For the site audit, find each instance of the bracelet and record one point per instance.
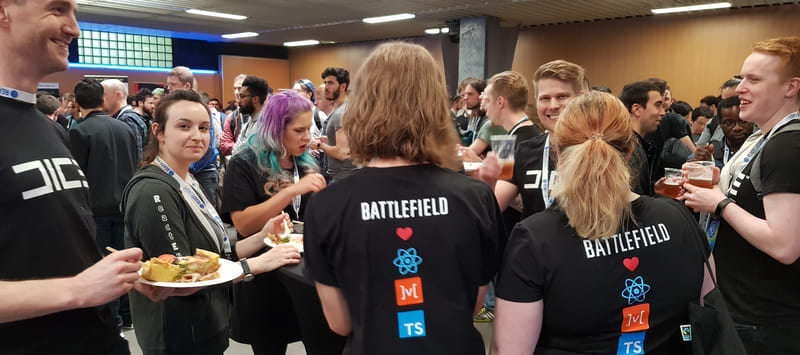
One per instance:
(721, 205)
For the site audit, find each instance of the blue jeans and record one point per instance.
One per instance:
(209, 180)
(489, 301)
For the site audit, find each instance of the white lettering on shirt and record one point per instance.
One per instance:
(404, 209)
(53, 178)
(626, 241)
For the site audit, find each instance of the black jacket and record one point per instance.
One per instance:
(106, 152)
(158, 221)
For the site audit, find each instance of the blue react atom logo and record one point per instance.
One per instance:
(635, 290)
(407, 261)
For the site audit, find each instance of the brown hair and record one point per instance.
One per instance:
(593, 135)
(513, 87)
(160, 118)
(565, 71)
(788, 48)
(399, 108)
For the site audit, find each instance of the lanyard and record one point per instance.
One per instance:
(757, 147)
(296, 200)
(546, 173)
(760, 144)
(201, 202)
(517, 125)
(727, 152)
(473, 124)
(17, 95)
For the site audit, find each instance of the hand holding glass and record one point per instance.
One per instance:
(503, 148)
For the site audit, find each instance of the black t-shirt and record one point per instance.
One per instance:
(672, 126)
(759, 289)
(245, 185)
(611, 295)
(263, 310)
(525, 133)
(409, 247)
(528, 173)
(46, 231)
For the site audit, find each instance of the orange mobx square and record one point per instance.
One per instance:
(636, 318)
(408, 291)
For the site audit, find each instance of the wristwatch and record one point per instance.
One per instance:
(248, 276)
(721, 205)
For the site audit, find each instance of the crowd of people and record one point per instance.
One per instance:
(577, 249)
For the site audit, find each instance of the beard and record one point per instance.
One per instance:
(247, 109)
(335, 95)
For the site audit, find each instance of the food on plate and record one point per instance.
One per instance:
(168, 268)
(285, 238)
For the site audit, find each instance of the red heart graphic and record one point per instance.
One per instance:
(404, 233)
(631, 263)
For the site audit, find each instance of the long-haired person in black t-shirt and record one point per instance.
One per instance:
(402, 250)
(272, 172)
(603, 270)
(167, 212)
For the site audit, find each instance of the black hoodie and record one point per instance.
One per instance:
(158, 221)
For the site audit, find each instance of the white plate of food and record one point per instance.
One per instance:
(472, 165)
(201, 270)
(293, 239)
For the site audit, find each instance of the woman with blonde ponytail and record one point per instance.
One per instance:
(615, 269)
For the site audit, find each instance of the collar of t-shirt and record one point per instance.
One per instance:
(18, 95)
(124, 109)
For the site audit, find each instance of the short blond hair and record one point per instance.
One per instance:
(565, 71)
(593, 136)
(399, 108)
(184, 75)
(513, 87)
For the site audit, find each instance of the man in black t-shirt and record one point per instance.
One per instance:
(643, 101)
(54, 283)
(556, 84)
(757, 244)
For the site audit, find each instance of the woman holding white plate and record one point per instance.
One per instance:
(167, 213)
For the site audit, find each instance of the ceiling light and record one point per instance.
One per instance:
(308, 42)
(432, 31)
(445, 29)
(216, 14)
(240, 35)
(398, 17)
(669, 10)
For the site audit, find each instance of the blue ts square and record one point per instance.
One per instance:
(631, 343)
(411, 324)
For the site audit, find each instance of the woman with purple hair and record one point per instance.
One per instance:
(272, 173)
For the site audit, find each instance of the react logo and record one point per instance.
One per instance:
(635, 290)
(407, 261)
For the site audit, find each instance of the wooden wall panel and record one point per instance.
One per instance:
(67, 79)
(275, 71)
(694, 53)
(309, 62)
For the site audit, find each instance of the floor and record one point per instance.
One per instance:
(297, 348)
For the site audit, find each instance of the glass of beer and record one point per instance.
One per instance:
(700, 173)
(503, 147)
(672, 182)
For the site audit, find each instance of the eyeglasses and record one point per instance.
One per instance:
(243, 96)
(731, 123)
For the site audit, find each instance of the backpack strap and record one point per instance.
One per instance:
(755, 170)
(317, 120)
